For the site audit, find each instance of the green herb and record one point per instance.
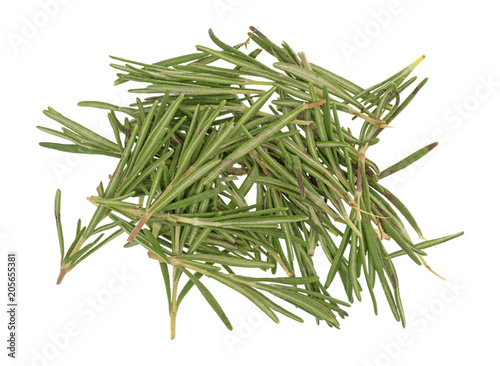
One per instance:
(190, 153)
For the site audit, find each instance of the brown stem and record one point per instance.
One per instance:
(62, 273)
(138, 227)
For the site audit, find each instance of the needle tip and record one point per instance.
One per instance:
(417, 61)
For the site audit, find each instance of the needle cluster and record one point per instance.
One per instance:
(230, 163)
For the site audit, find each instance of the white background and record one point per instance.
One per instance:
(63, 58)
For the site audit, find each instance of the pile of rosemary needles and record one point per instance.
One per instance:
(228, 162)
